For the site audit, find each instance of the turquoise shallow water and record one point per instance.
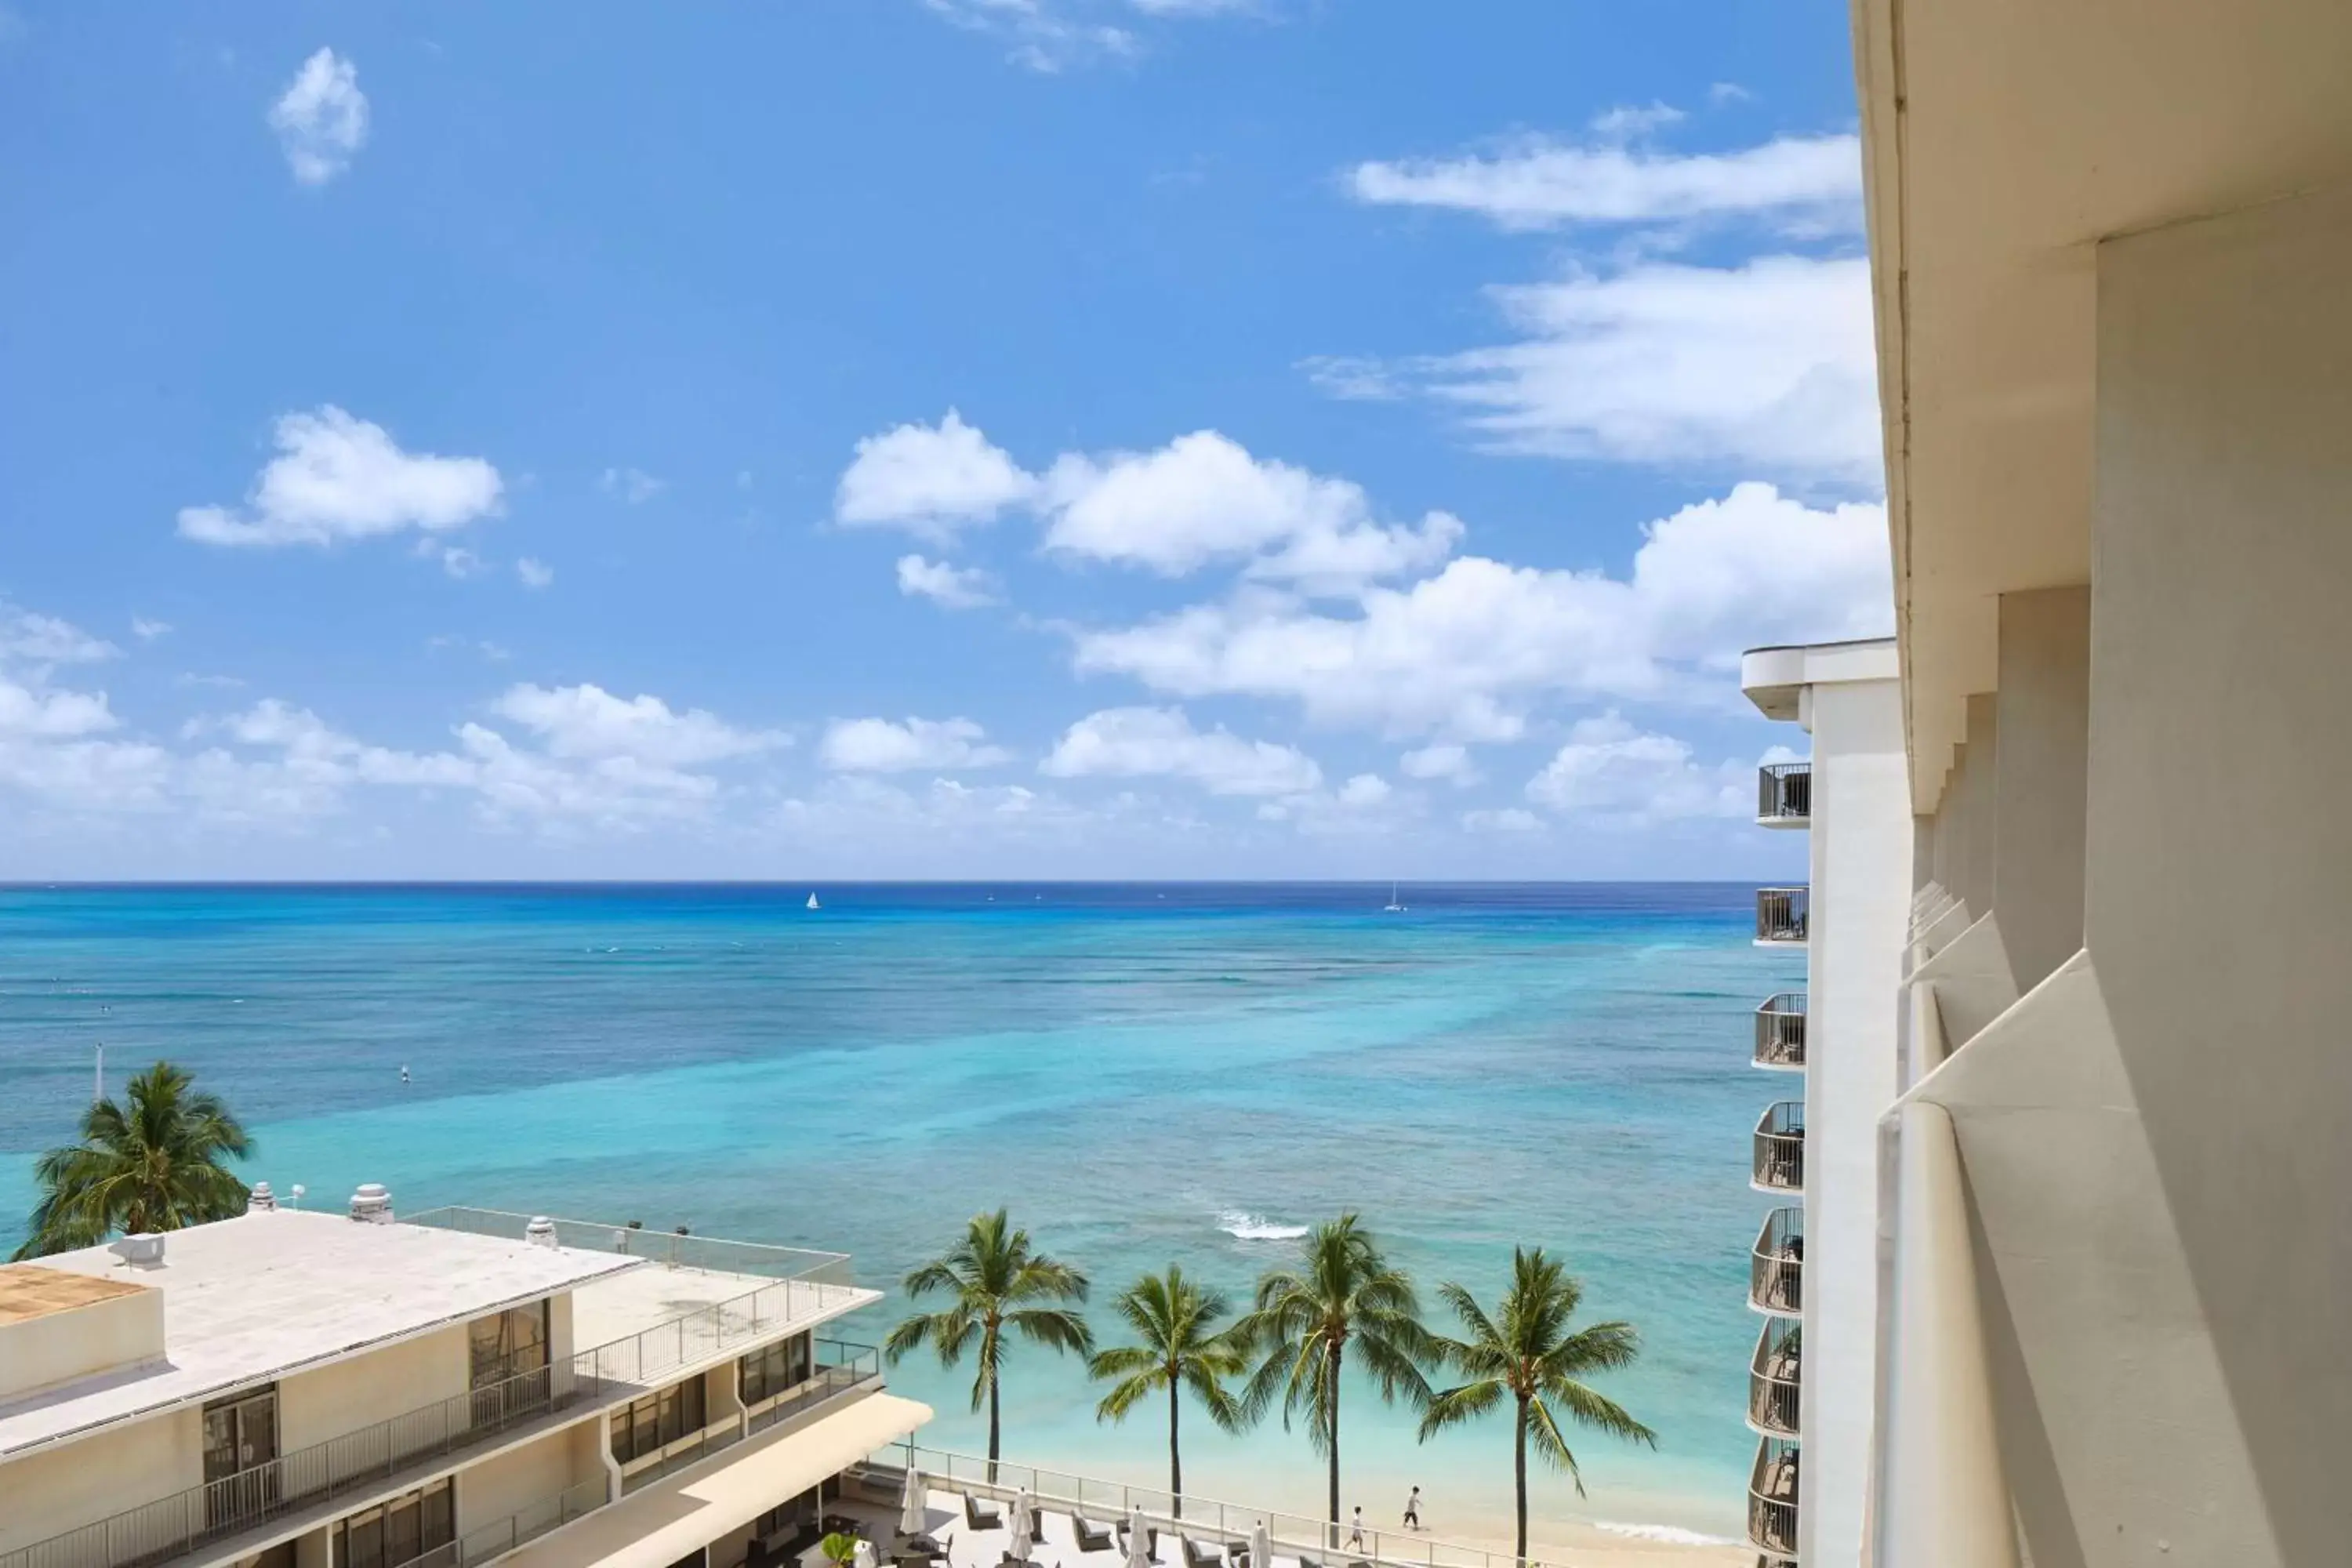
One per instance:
(1144, 1073)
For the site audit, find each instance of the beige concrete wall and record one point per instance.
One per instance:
(1980, 874)
(100, 1476)
(510, 1482)
(313, 1407)
(99, 1336)
(2218, 855)
(2046, 738)
(1862, 835)
(316, 1549)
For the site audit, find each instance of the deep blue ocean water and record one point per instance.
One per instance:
(1144, 1073)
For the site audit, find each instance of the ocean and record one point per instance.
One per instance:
(1144, 1073)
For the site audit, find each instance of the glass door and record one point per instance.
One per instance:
(241, 1480)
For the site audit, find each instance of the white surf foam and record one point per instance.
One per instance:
(1671, 1535)
(1257, 1228)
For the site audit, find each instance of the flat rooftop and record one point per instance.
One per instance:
(265, 1295)
(28, 1290)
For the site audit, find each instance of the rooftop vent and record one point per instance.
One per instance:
(372, 1205)
(540, 1231)
(261, 1200)
(144, 1251)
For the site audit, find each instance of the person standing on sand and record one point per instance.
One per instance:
(1413, 1510)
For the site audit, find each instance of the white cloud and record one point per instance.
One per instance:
(1509, 819)
(46, 639)
(1201, 498)
(338, 478)
(1446, 760)
(455, 560)
(1811, 184)
(632, 485)
(322, 118)
(146, 630)
(27, 712)
(917, 745)
(587, 721)
(1354, 378)
(535, 574)
(1364, 789)
(929, 478)
(956, 587)
(1466, 651)
(1609, 768)
(1769, 368)
(1141, 742)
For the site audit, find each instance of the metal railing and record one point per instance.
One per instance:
(1781, 913)
(1776, 1274)
(171, 1527)
(1778, 1163)
(1784, 794)
(859, 1366)
(1772, 1498)
(189, 1521)
(528, 1524)
(1781, 1031)
(1204, 1519)
(707, 1253)
(1774, 1379)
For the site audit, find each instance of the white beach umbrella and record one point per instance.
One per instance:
(1139, 1541)
(1024, 1515)
(911, 1518)
(1261, 1547)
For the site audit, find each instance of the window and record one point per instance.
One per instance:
(399, 1531)
(658, 1420)
(508, 1345)
(772, 1368)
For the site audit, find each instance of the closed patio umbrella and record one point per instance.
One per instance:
(1024, 1522)
(1261, 1547)
(1139, 1541)
(912, 1519)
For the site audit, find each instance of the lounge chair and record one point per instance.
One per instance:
(980, 1515)
(1198, 1556)
(1091, 1537)
(1036, 1528)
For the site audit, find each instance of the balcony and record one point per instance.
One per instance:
(1780, 1032)
(1772, 1499)
(1781, 916)
(1784, 794)
(1776, 1268)
(1779, 1161)
(1773, 1383)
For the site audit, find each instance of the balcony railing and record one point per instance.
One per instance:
(1781, 1031)
(1776, 1274)
(1780, 914)
(157, 1532)
(852, 1366)
(1772, 1498)
(1778, 1164)
(1773, 1381)
(200, 1516)
(706, 1253)
(1784, 794)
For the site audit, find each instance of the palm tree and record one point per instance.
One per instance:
(157, 1165)
(1527, 1355)
(1304, 1320)
(1176, 1320)
(997, 1282)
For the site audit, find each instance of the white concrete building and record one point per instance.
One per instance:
(2111, 255)
(308, 1390)
(1814, 1274)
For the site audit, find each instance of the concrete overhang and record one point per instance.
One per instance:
(1776, 677)
(2002, 140)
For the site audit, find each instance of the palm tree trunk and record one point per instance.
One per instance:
(1175, 1459)
(1520, 1466)
(994, 1427)
(1331, 1432)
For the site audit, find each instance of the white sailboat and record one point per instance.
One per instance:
(813, 903)
(1392, 907)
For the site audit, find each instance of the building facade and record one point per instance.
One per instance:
(295, 1389)
(1814, 1269)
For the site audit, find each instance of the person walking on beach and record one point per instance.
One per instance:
(1355, 1531)
(1413, 1510)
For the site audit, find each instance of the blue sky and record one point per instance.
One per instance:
(872, 438)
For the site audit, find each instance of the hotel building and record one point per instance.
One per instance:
(296, 1389)
(2111, 252)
